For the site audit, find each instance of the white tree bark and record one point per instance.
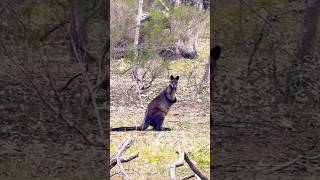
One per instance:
(177, 3)
(134, 69)
(200, 4)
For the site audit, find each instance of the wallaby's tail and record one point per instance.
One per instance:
(138, 128)
(142, 127)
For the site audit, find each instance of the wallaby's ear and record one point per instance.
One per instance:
(177, 78)
(215, 53)
(171, 77)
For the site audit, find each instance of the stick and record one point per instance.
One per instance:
(172, 166)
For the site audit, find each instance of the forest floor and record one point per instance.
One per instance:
(256, 136)
(188, 119)
(37, 144)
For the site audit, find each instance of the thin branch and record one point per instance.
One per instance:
(172, 166)
(117, 158)
(122, 169)
(194, 168)
(53, 29)
(124, 146)
(124, 159)
(188, 177)
(90, 88)
(284, 165)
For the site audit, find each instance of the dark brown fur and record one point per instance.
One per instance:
(157, 109)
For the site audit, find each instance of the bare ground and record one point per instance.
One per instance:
(34, 142)
(255, 137)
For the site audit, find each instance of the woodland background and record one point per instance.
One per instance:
(53, 98)
(265, 96)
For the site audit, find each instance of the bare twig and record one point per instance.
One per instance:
(188, 177)
(53, 29)
(164, 5)
(256, 47)
(194, 168)
(284, 165)
(69, 82)
(117, 158)
(123, 172)
(172, 166)
(123, 159)
(184, 157)
(89, 85)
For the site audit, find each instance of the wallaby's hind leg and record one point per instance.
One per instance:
(143, 126)
(158, 123)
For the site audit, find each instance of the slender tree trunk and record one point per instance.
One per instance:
(200, 4)
(78, 30)
(134, 69)
(177, 3)
(309, 29)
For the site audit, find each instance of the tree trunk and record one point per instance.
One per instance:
(309, 29)
(177, 3)
(78, 31)
(134, 69)
(200, 4)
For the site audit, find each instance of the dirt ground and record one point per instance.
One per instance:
(254, 137)
(34, 142)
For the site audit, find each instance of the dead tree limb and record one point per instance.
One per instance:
(194, 168)
(121, 150)
(184, 157)
(125, 159)
(188, 177)
(172, 166)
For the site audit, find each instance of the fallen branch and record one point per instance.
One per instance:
(184, 157)
(188, 177)
(194, 168)
(121, 150)
(172, 166)
(124, 159)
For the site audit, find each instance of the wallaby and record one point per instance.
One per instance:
(157, 109)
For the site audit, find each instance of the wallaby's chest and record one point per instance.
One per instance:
(162, 102)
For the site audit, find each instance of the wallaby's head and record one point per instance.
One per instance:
(174, 81)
